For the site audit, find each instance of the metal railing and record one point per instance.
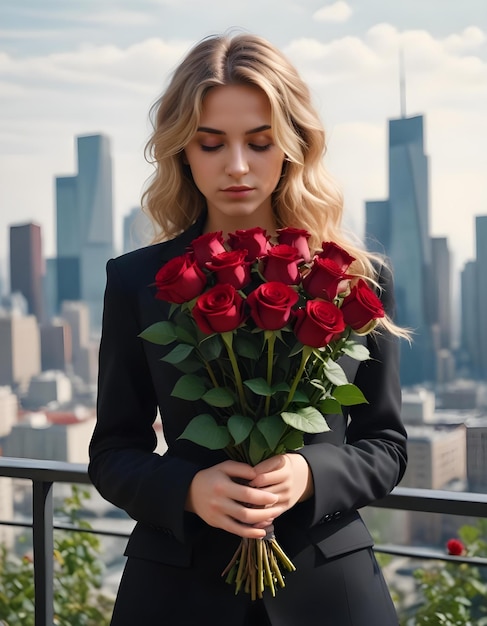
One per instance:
(44, 474)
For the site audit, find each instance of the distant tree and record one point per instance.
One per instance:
(78, 600)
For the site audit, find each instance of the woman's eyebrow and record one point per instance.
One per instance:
(214, 131)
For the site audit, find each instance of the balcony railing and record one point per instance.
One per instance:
(44, 474)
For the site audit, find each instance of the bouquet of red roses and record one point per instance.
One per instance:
(258, 329)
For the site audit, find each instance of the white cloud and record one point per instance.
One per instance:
(337, 12)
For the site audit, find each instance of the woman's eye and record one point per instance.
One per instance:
(260, 148)
(210, 148)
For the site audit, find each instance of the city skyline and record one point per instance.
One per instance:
(88, 68)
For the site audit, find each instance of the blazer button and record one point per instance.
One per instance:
(337, 515)
(326, 518)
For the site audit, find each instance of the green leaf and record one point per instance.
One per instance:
(178, 354)
(258, 449)
(240, 427)
(298, 347)
(280, 387)
(308, 420)
(349, 395)
(258, 386)
(357, 351)
(293, 440)
(211, 347)
(273, 428)
(301, 397)
(204, 430)
(186, 336)
(329, 406)
(248, 346)
(189, 387)
(219, 396)
(161, 333)
(190, 365)
(335, 373)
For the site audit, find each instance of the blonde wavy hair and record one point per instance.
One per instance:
(306, 196)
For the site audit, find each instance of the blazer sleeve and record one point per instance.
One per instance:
(373, 459)
(123, 465)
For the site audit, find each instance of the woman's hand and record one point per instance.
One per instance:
(218, 496)
(287, 476)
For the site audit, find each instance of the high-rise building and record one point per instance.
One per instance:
(441, 301)
(68, 240)
(477, 454)
(27, 266)
(56, 349)
(401, 225)
(481, 293)
(469, 318)
(20, 357)
(137, 230)
(84, 212)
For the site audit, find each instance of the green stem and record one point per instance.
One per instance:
(211, 374)
(227, 340)
(271, 340)
(307, 352)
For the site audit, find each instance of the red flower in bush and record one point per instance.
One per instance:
(207, 245)
(296, 237)
(219, 310)
(325, 279)
(455, 547)
(254, 240)
(270, 305)
(231, 267)
(332, 251)
(319, 323)
(362, 308)
(180, 280)
(281, 264)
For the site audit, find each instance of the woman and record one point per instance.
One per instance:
(237, 144)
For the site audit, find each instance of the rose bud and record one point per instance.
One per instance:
(362, 308)
(325, 279)
(330, 250)
(231, 267)
(319, 323)
(281, 264)
(298, 238)
(180, 280)
(270, 305)
(207, 245)
(254, 240)
(455, 547)
(219, 310)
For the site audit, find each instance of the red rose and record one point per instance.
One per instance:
(319, 323)
(281, 264)
(296, 237)
(254, 240)
(231, 267)
(270, 305)
(205, 246)
(325, 279)
(455, 547)
(219, 310)
(330, 250)
(362, 308)
(180, 280)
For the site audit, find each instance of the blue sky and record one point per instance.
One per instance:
(79, 67)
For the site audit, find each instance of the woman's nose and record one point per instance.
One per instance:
(237, 164)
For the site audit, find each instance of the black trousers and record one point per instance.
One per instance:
(346, 591)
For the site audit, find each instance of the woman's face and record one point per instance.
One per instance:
(234, 160)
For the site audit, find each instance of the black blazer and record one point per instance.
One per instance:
(360, 460)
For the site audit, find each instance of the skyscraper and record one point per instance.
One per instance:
(481, 293)
(84, 211)
(441, 290)
(27, 266)
(401, 225)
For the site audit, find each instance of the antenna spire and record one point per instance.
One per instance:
(402, 83)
